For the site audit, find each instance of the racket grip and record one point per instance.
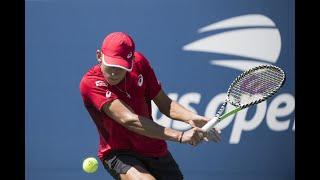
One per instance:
(210, 124)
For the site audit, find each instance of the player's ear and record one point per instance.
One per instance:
(98, 55)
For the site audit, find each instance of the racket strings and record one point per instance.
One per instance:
(265, 80)
(255, 85)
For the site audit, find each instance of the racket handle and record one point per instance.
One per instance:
(210, 124)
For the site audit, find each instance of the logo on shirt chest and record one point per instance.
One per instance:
(108, 94)
(101, 83)
(140, 80)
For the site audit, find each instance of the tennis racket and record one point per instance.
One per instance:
(249, 88)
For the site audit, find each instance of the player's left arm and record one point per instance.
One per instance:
(176, 111)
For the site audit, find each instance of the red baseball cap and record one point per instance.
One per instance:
(117, 50)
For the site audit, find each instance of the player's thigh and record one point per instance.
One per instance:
(137, 173)
(164, 168)
(125, 165)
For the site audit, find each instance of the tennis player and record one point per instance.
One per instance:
(117, 93)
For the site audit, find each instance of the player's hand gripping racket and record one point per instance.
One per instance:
(251, 87)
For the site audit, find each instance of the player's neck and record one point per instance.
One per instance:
(121, 86)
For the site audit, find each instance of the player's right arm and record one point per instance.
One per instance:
(124, 115)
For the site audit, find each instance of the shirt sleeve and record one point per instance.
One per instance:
(153, 84)
(96, 93)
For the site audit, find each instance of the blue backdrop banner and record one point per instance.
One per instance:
(196, 49)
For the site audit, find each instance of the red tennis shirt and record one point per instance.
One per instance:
(142, 86)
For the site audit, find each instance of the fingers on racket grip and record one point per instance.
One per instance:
(210, 124)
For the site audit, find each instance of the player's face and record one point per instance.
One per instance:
(113, 75)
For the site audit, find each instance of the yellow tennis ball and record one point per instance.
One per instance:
(90, 165)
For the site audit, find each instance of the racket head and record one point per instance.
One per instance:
(255, 85)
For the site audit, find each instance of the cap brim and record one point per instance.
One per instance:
(117, 62)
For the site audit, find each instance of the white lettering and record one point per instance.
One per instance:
(275, 111)
(242, 124)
